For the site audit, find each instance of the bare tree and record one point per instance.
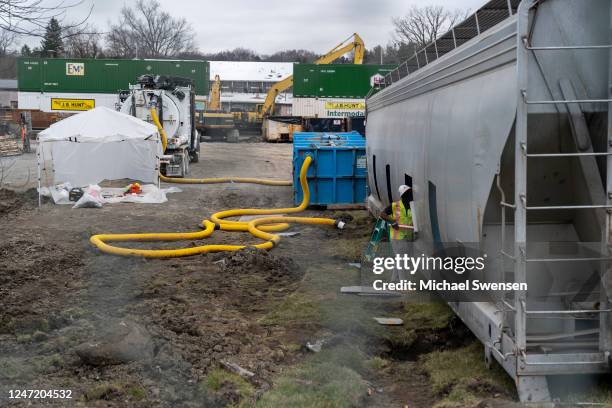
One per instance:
(7, 40)
(148, 31)
(422, 25)
(392, 53)
(122, 42)
(30, 17)
(82, 42)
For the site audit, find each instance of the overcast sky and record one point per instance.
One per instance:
(271, 25)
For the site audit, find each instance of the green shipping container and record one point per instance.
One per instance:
(102, 75)
(335, 80)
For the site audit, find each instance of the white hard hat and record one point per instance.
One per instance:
(403, 188)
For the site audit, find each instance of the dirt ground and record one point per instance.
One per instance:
(122, 332)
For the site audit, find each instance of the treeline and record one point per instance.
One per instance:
(145, 30)
(391, 54)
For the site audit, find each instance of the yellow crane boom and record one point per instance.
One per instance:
(214, 104)
(339, 50)
(215, 121)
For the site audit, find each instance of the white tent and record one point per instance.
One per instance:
(96, 145)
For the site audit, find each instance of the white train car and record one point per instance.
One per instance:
(502, 127)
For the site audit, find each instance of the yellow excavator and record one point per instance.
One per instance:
(215, 122)
(255, 119)
(354, 42)
(214, 103)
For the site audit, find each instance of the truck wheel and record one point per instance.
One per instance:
(185, 163)
(195, 156)
(232, 136)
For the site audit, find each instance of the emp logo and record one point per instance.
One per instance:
(75, 68)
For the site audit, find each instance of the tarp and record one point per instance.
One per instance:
(100, 144)
(151, 194)
(99, 125)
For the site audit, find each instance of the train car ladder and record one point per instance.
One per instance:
(532, 368)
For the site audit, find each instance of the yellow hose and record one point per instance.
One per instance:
(259, 228)
(217, 180)
(160, 128)
(228, 225)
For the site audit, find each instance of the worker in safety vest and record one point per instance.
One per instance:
(401, 231)
(399, 216)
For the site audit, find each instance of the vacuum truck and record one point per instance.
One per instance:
(173, 100)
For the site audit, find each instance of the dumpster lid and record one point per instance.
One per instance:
(328, 140)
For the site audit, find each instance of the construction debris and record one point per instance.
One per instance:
(389, 321)
(316, 346)
(367, 291)
(9, 146)
(236, 369)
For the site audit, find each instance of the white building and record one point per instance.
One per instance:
(8, 93)
(244, 84)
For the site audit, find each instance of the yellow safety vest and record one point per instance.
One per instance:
(404, 219)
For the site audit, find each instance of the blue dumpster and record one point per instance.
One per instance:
(338, 172)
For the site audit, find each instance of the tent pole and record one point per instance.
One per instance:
(39, 174)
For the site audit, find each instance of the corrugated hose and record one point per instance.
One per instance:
(261, 228)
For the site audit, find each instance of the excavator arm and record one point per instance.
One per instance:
(339, 50)
(214, 104)
(344, 47)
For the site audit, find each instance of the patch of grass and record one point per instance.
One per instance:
(347, 314)
(10, 368)
(348, 249)
(73, 313)
(319, 383)
(419, 318)
(137, 392)
(24, 338)
(7, 325)
(346, 356)
(400, 337)
(460, 375)
(326, 279)
(218, 377)
(319, 304)
(48, 363)
(110, 391)
(296, 308)
(103, 391)
(377, 364)
(427, 316)
(293, 347)
(31, 325)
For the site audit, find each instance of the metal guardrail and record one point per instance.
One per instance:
(486, 17)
